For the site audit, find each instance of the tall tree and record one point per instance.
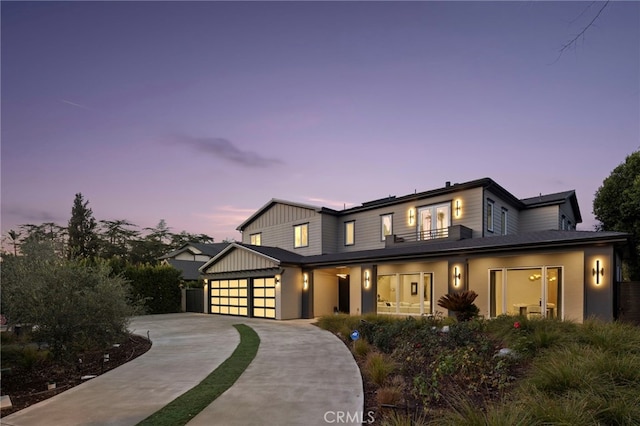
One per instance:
(13, 236)
(116, 238)
(617, 206)
(83, 238)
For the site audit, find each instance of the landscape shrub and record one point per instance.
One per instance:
(158, 286)
(378, 367)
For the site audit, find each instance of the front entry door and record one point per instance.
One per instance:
(343, 294)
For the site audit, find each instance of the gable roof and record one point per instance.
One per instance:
(274, 201)
(188, 268)
(209, 249)
(555, 199)
(273, 254)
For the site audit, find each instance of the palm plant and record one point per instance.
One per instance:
(461, 304)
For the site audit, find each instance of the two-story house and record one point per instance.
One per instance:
(398, 255)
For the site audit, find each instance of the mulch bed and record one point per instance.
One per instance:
(27, 387)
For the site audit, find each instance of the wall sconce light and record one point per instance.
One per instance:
(277, 280)
(305, 281)
(412, 217)
(597, 272)
(458, 208)
(456, 277)
(367, 279)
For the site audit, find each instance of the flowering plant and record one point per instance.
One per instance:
(516, 325)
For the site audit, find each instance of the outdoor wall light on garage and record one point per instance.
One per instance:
(597, 271)
(456, 277)
(305, 281)
(367, 278)
(277, 279)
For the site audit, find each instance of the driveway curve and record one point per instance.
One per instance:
(301, 376)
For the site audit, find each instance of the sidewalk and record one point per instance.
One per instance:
(300, 376)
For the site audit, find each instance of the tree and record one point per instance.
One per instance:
(83, 239)
(116, 238)
(617, 207)
(13, 235)
(75, 307)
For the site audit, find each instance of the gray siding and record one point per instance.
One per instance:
(331, 229)
(539, 219)
(513, 215)
(368, 223)
(567, 211)
(276, 225)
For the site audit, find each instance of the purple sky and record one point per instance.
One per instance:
(199, 113)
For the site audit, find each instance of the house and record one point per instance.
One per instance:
(399, 255)
(190, 257)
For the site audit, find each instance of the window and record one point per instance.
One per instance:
(503, 221)
(490, 215)
(434, 221)
(526, 291)
(564, 222)
(256, 239)
(349, 233)
(405, 293)
(387, 225)
(301, 235)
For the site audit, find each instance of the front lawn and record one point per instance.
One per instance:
(505, 371)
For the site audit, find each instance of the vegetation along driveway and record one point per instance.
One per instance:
(301, 375)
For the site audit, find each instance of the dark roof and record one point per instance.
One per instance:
(284, 256)
(555, 199)
(529, 240)
(210, 249)
(189, 268)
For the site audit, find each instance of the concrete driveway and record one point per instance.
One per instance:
(301, 376)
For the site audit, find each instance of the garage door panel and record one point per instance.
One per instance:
(229, 297)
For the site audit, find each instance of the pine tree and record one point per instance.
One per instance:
(83, 238)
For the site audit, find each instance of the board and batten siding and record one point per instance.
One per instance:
(241, 260)
(539, 219)
(276, 226)
(332, 231)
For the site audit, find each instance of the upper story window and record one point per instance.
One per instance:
(434, 221)
(490, 205)
(349, 233)
(564, 223)
(503, 221)
(301, 235)
(386, 226)
(256, 239)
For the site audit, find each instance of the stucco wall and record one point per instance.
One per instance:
(288, 294)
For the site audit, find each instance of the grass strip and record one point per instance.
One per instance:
(184, 408)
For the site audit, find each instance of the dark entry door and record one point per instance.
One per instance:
(343, 294)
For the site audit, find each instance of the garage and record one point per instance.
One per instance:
(264, 297)
(230, 297)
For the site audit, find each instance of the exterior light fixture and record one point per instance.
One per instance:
(456, 277)
(412, 217)
(458, 208)
(598, 272)
(305, 281)
(277, 279)
(367, 278)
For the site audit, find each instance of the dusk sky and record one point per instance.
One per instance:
(199, 113)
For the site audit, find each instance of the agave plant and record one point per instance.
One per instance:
(461, 304)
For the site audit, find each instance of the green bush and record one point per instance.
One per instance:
(378, 367)
(158, 286)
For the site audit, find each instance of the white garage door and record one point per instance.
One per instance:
(264, 297)
(229, 297)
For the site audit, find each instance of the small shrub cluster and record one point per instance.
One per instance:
(157, 286)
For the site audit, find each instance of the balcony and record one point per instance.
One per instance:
(451, 233)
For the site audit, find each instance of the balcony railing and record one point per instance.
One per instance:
(454, 233)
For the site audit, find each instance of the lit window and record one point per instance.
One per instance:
(256, 239)
(349, 233)
(387, 226)
(503, 221)
(301, 235)
(489, 215)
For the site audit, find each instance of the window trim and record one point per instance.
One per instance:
(383, 237)
(252, 239)
(302, 244)
(504, 221)
(353, 232)
(490, 216)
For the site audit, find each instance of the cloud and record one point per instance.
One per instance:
(75, 104)
(24, 215)
(226, 150)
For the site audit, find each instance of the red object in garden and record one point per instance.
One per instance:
(516, 324)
